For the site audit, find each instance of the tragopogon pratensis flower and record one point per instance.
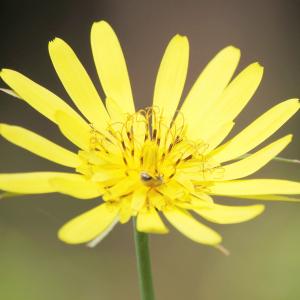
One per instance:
(158, 161)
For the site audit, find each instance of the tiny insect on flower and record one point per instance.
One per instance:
(163, 160)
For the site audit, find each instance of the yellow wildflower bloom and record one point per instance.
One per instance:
(162, 160)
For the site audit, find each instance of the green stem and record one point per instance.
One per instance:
(143, 264)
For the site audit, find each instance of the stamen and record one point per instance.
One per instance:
(144, 145)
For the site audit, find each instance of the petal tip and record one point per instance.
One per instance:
(3, 72)
(260, 208)
(258, 66)
(101, 23)
(181, 38)
(233, 48)
(101, 26)
(56, 42)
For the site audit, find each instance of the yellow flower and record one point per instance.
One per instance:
(157, 161)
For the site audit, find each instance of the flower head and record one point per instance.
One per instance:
(161, 160)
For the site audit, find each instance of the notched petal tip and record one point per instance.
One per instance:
(257, 66)
(231, 51)
(232, 48)
(55, 42)
(101, 23)
(181, 38)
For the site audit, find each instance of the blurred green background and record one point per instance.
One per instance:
(265, 253)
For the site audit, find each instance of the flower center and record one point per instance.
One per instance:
(142, 152)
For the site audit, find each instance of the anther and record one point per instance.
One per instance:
(188, 157)
(154, 134)
(177, 139)
(177, 161)
(128, 135)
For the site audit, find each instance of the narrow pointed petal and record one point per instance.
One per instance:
(238, 93)
(138, 198)
(232, 101)
(257, 132)
(219, 136)
(255, 161)
(77, 186)
(149, 221)
(222, 214)
(111, 65)
(187, 225)
(79, 133)
(77, 83)
(171, 77)
(88, 225)
(115, 111)
(30, 182)
(35, 95)
(255, 187)
(39, 145)
(210, 85)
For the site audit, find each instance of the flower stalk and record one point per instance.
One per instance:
(143, 264)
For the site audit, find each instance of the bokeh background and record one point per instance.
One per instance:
(265, 253)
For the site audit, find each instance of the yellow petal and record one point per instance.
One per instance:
(255, 187)
(77, 83)
(171, 77)
(149, 221)
(115, 111)
(39, 145)
(138, 198)
(111, 65)
(36, 96)
(238, 93)
(232, 101)
(88, 225)
(268, 198)
(217, 137)
(29, 183)
(77, 186)
(125, 210)
(257, 131)
(187, 225)
(209, 86)
(123, 187)
(105, 175)
(222, 214)
(79, 133)
(255, 161)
